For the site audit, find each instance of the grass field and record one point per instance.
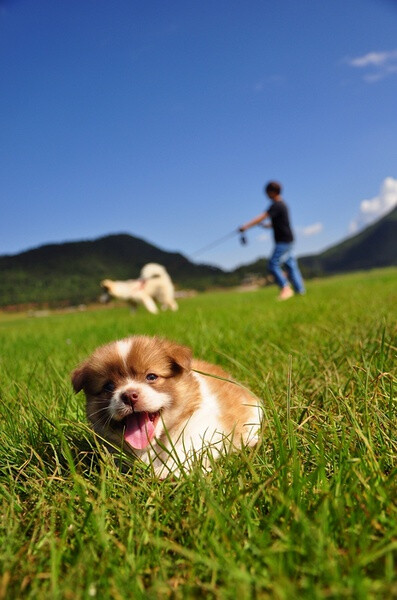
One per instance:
(310, 513)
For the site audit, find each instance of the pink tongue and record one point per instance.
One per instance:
(139, 430)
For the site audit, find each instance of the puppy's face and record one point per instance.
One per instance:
(131, 385)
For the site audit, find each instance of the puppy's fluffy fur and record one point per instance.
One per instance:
(154, 284)
(145, 395)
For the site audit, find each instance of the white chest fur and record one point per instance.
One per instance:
(202, 434)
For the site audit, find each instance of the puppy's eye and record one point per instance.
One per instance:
(109, 387)
(151, 377)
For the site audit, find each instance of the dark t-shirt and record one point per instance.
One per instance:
(278, 213)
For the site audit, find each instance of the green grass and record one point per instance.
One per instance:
(310, 513)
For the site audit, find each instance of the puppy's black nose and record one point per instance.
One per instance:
(130, 397)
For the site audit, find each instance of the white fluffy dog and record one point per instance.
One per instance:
(154, 284)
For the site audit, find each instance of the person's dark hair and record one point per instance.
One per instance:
(274, 187)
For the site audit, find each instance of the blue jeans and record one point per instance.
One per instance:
(282, 255)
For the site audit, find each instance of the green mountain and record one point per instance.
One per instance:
(70, 273)
(375, 246)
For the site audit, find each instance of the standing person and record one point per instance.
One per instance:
(283, 237)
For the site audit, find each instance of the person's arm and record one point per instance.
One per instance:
(254, 221)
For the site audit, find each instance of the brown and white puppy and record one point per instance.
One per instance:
(150, 398)
(154, 284)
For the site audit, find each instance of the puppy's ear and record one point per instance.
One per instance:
(78, 376)
(181, 357)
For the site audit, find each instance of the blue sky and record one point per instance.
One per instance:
(164, 119)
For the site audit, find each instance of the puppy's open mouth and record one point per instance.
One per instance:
(140, 428)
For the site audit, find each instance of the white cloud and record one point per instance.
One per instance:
(263, 237)
(377, 207)
(310, 230)
(376, 65)
(373, 58)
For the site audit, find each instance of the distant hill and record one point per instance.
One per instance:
(375, 246)
(70, 273)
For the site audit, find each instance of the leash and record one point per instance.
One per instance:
(243, 240)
